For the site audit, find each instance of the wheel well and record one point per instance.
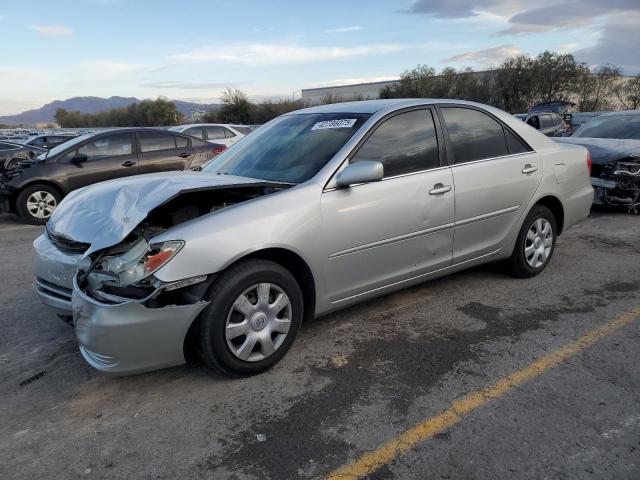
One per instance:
(298, 268)
(13, 199)
(42, 182)
(553, 204)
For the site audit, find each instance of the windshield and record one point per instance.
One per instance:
(612, 126)
(290, 149)
(64, 146)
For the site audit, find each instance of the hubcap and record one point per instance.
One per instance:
(41, 204)
(539, 242)
(258, 322)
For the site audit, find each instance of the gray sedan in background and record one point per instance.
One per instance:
(314, 211)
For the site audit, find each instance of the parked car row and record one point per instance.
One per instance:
(33, 187)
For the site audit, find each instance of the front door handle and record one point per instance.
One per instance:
(528, 168)
(128, 163)
(439, 189)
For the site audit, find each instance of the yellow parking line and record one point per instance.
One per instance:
(394, 448)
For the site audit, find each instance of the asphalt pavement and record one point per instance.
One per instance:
(473, 376)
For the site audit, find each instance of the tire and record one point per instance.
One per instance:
(30, 196)
(224, 334)
(523, 263)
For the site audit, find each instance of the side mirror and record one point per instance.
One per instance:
(360, 172)
(79, 158)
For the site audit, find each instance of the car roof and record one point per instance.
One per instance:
(372, 106)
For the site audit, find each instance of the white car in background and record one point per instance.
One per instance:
(215, 132)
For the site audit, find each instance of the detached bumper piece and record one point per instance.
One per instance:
(129, 338)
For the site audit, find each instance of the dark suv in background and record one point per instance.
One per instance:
(33, 188)
(549, 123)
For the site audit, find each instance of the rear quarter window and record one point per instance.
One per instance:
(474, 135)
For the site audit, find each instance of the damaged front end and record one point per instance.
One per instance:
(127, 320)
(618, 184)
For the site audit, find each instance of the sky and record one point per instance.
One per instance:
(193, 50)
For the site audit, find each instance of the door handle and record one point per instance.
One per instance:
(128, 163)
(439, 189)
(528, 168)
(184, 155)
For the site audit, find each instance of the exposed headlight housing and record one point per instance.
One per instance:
(133, 266)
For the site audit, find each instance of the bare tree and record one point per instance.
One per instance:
(595, 89)
(628, 93)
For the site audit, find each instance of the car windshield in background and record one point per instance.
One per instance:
(291, 149)
(612, 126)
(64, 146)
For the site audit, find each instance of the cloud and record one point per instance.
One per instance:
(464, 8)
(274, 54)
(55, 30)
(110, 69)
(487, 56)
(618, 44)
(189, 85)
(353, 28)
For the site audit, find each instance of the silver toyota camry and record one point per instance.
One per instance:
(317, 210)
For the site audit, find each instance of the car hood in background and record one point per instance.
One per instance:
(604, 150)
(102, 215)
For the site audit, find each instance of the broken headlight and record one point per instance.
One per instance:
(133, 266)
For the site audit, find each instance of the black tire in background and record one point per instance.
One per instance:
(211, 339)
(32, 192)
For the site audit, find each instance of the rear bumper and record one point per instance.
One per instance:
(129, 338)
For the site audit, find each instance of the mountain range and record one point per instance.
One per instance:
(45, 114)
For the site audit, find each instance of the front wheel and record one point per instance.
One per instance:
(255, 312)
(36, 203)
(535, 244)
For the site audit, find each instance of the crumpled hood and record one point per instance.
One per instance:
(604, 150)
(104, 214)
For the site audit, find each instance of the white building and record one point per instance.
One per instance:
(196, 116)
(364, 91)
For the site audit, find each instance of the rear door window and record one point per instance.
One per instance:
(194, 132)
(228, 133)
(474, 135)
(215, 132)
(405, 143)
(109, 146)
(181, 142)
(154, 141)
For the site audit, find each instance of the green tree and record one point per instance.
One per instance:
(236, 107)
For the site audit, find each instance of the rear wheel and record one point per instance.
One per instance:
(535, 244)
(255, 312)
(37, 202)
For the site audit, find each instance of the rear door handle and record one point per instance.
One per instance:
(184, 155)
(439, 189)
(128, 163)
(528, 168)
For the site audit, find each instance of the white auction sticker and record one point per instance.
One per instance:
(341, 123)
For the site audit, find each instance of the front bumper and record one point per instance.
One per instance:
(54, 271)
(130, 338)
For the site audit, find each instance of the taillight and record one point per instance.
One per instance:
(589, 161)
(218, 150)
